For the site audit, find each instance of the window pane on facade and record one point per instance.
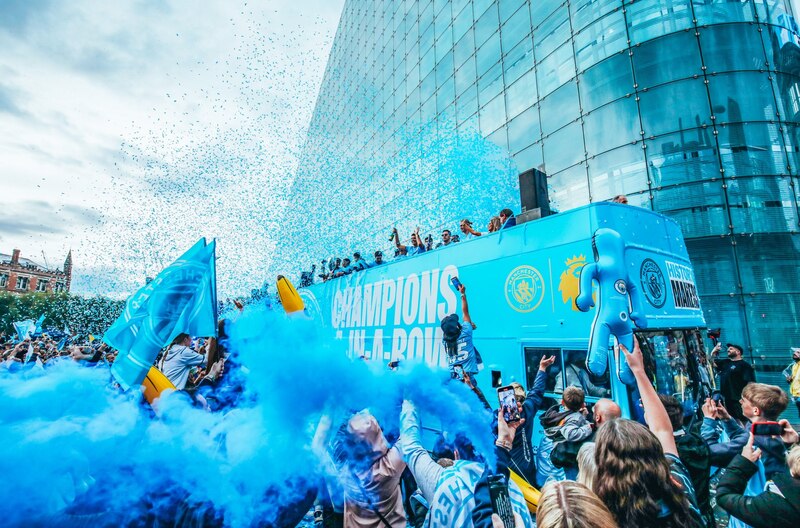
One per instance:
(674, 106)
(599, 40)
(611, 126)
(620, 171)
(560, 107)
(605, 82)
(651, 69)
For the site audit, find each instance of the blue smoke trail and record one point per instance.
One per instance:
(77, 447)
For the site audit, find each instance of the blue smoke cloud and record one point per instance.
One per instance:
(75, 447)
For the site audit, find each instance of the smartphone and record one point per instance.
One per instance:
(508, 404)
(394, 364)
(456, 282)
(459, 371)
(501, 502)
(766, 429)
(718, 398)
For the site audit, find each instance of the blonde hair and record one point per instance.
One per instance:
(770, 399)
(793, 461)
(568, 504)
(587, 468)
(494, 224)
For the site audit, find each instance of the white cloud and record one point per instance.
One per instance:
(130, 129)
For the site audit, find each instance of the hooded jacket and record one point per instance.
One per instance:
(777, 507)
(571, 426)
(374, 483)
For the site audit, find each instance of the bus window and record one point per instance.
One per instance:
(569, 369)
(532, 358)
(574, 374)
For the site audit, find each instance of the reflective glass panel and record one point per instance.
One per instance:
(714, 265)
(489, 54)
(674, 106)
(584, 12)
(742, 96)
(540, 9)
(651, 68)
(767, 264)
(762, 205)
(787, 92)
(749, 149)
(775, 12)
(486, 26)
(515, 29)
(604, 82)
(463, 22)
(552, 33)
(493, 114)
(731, 47)
(559, 108)
(718, 11)
(686, 156)
(619, 171)
(518, 61)
(699, 208)
(648, 19)
(491, 84)
(466, 75)
(564, 148)
(524, 129)
(611, 126)
(601, 39)
(529, 158)
(521, 94)
(510, 7)
(555, 70)
(783, 48)
(773, 322)
(464, 48)
(568, 189)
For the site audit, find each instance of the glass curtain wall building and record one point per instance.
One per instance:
(689, 107)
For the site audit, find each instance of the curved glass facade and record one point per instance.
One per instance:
(690, 107)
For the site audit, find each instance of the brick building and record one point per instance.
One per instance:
(21, 275)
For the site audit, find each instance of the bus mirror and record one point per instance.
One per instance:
(497, 379)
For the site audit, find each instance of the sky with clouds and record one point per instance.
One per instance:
(129, 129)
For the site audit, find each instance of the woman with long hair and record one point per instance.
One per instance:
(639, 475)
(568, 504)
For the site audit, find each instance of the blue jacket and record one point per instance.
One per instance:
(523, 459)
(722, 453)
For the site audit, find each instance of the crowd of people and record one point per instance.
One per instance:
(45, 349)
(414, 245)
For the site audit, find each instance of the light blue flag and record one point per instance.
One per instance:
(182, 298)
(24, 329)
(39, 324)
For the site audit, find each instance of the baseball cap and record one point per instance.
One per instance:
(740, 349)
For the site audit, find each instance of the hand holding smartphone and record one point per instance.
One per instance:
(766, 429)
(508, 404)
(456, 283)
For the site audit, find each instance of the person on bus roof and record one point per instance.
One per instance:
(457, 340)
(507, 219)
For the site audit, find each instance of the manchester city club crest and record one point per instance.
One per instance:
(524, 289)
(653, 283)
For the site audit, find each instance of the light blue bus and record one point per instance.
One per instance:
(522, 286)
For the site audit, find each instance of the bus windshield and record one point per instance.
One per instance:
(676, 363)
